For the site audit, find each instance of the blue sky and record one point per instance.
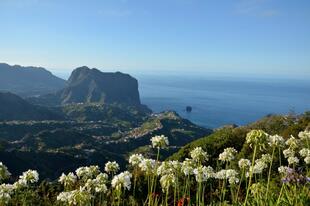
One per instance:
(261, 37)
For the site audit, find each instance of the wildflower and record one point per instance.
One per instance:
(304, 135)
(284, 170)
(76, 197)
(5, 193)
(167, 181)
(64, 197)
(135, 159)
(257, 137)
(93, 170)
(147, 166)
(175, 165)
(67, 180)
(122, 180)
(28, 177)
(101, 188)
(229, 174)
(292, 142)
(244, 163)
(159, 141)
(199, 155)
(228, 154)
(293, 176)
(307, 160)
(260, 165)
(304, 152)
(4, 172)
(101, 181)
(102, 178)
(292, 160)
(225, 174)
(188, 167)
(203, 173)
(288, 153)
(164, 168)
(275, 141)
(87, 172)
(111, 167)
(266, 158)
(90, 185)
(233, 180)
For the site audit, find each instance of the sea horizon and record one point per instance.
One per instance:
(218, 100)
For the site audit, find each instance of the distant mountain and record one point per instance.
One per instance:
(28, 81)
(92, 85)
(87, 85)
(13, 107)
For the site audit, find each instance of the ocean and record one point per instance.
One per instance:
(221, 100)
(218, 101)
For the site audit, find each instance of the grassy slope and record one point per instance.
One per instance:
(235, 137)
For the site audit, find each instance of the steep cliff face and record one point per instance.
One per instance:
(91, 85)
(28, 81)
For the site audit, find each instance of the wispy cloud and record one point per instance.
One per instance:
(256, 8)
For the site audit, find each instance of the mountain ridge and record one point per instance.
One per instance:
(87, 85)
(13, 107)
(28, 81)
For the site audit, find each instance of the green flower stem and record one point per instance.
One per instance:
(269, 173)
(250, 178)
(239, 186)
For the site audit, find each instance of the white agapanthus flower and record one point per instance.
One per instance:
(292, 160)
(244, 163)
(5, 193)
(203, 173)
(122, 180)
(64, 197)
(188, 166)
(175, 166)
(67, 180)
(164, 168)
(4, 172)
(233, 180)
(304, 152)
(258, 138)
(259, 166)
(76, 197)
(111, 167)
(284, 170)
(90, 185)
(147, 166)
(87, 172)
(288, 153)
(229, 174)
(276, 141)
(28, 177)
(101, 181)
(292, 142)
(167, 181)
(102, 178)
(199, 155)
(228, 154)
(135, 159)
(304, 135)
(307, 160)
(266, 158)
(159, 141)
